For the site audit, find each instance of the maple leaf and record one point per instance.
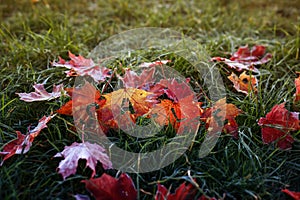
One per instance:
(143, 81)
(122, 107)
(140, 100)
(166, 112)
(183, 192)
(255, 56)
(245, 59)
(235, 64)
(294, 195)
(154, 64)
(215, 116)
(277, 124)
(41, 94)
(297, 85)
(244, 83)
(80, 66)
(173, 89)
(22, 143)
(180, 110)
(181, 114)
(90, 152)
(82, 98)
(107, 187)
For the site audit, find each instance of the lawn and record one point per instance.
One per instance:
(34, 34)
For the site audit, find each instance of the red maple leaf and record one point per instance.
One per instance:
(107, 187)
(90, 152)
(22, 143)
(40, 94)
(173, 89)
(277, 125)
(255, 56)
(183, 192)
(80, 66)
(245, 59)
(143, 81)
(294, 195)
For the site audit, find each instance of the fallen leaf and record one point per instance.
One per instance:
(83, 98)
(244, 83)
(143, 81)
(184, 114)
(140, 100)
(294, 195)
(277, 125)
(66, 109)
(297, 85)
(154, 64)
(41, 94)
(166, 112)
(122, 107)
(80, 66)
(90, 152)
(183, 192)
(107, 187)
(296, 102)
(173, 89)
(221, 113)
(236, 65)
(246, 59)
(255, 56)
(22, 143)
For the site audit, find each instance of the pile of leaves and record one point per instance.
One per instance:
(168, 102)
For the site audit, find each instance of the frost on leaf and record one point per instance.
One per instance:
(244, 83)
(246, 59)
(108, 187)
(277, 125)
(40, 94)
(22, 143)
(143, 81)
(90, 152)
(256, 56)
(80, 66)
(154, 64)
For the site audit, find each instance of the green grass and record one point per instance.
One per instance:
(34, 35)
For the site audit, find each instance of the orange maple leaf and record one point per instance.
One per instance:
(182, 114)
(244, 83)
